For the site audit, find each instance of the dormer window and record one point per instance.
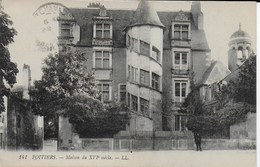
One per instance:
(103, 30)
(181, 31)
(181, 27)
(65, 30)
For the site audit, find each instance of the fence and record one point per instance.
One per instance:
(159, 140)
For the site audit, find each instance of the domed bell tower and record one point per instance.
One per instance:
(239, 49)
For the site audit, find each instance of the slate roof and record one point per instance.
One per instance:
(145, 14)
(199, 40)
(122, 19)
(216, 72)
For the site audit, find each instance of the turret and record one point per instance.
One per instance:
(239, 48)
(144, 38)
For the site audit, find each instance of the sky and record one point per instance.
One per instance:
(221, 19)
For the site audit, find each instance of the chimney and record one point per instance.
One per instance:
(26, 81)
(197, 15)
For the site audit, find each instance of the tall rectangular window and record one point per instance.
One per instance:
(155, 53)
(181, 31)
(122, 92)
(105, 92)
(144, 107)
(144, 48)
(144, 77)
(65, 30)
(102, 59)
(155, 81)
(134, 74)
(180, 91)
(135, 45)
(134, 103)
(180, 123)
(129, 73)
(180, 61)
(103, 30)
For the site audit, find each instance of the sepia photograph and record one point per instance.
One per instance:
(128, 83)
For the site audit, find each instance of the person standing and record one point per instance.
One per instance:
(197, 138)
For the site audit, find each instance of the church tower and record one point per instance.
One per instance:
(239, 48)
(144, 39)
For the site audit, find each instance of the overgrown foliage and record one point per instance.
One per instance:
(233, 101)
(243, 87)
(8, 69)
(22, 135)
(68, 88)
(104, 124)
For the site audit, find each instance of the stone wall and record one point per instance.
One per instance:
(245, 130)
(158, 140)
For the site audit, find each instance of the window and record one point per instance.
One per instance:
(240, 52)
(135, 45)
(129, 73)
(181, 31)
(155, 54)
(144, 48)
(155, 81)
(180, 91)
(144, 77)
(144, 106)
(105, 92)
(65, 30)
(122, 92)
(103, 30)
(180, 61)
(180, 123)
(134, 103)
(134, 72)
(102, 59)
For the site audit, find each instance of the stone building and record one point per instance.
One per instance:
(145, 58)
(242, 134)
(24, 129)
(239, 48)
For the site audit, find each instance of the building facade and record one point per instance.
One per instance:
(142, 57)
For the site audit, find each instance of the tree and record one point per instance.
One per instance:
(234, 101)
(68, 88)
(8, 69)
(243, 87)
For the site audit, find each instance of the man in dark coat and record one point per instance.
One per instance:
(197, 139)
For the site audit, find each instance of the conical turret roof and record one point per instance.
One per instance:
(145, 14)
